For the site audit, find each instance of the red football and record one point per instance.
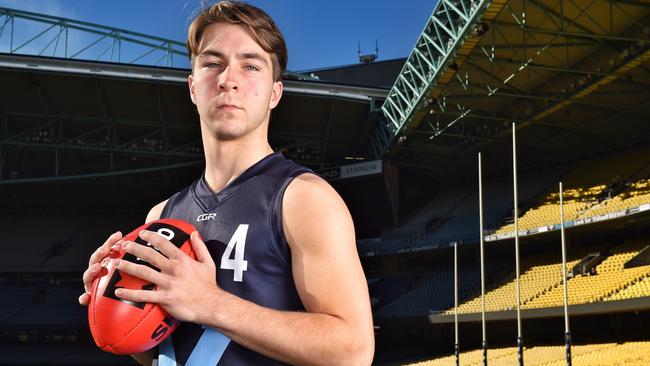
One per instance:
(125, 327)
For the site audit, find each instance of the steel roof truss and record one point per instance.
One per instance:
(168, 47)
(446, 28)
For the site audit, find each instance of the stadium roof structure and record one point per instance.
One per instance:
(573, 76)
(81, 100)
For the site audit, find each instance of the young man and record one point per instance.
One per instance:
(277, 277)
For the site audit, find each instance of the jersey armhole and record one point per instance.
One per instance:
(279, 238)
(168, 207)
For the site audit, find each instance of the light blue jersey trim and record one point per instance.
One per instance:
(208, 350)
(166, 355)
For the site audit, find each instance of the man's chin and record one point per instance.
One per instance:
(228, 135)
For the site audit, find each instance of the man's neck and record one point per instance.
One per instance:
(226, 160)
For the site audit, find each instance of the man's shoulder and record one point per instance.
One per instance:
(310, 190)
(281, 167)
(156, 211)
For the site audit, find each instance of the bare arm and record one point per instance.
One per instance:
(337, 325)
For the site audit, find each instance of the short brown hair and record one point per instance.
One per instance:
(262, 27)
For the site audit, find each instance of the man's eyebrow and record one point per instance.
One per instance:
(210, 53)
(251, 55)
(239, 56)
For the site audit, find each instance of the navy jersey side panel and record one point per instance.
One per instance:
(242, 228)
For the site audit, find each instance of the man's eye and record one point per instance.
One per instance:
(252, 67)
(213, 65)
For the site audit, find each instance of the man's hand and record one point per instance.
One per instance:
(95, 267)
(184, 285)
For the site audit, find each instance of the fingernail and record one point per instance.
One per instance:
(116, 246)
(104, 262)
(117, 262)
(143, 233)
(125, 244)
(118, 291)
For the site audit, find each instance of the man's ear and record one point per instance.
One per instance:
(190, 84)
(276, 94)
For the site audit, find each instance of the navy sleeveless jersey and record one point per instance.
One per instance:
(242, 228)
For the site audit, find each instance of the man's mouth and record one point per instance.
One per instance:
(228, 107)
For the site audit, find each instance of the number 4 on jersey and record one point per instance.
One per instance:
(237, 242)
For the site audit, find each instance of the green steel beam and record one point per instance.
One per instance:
(168, 53)
(446, 30)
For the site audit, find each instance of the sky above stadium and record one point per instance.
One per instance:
(319, 33)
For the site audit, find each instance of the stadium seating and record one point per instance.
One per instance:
(636, 194)
(600, 354)
(590, 190)
(31, 302)
(61, 243)
(59, 353)
(639, 288)
(456, 207)
(391, 286)
(611, 278)
(534, 282)
(594, 187)
(541, 282)
(432, 293)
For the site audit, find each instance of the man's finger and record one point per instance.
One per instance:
(105, 248)
(141, 271)
(147, 254)
(200, 249)
(138, 295)
(84, 299)
(166, 247)
(90, 274)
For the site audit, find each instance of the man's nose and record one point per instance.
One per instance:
(228, 80)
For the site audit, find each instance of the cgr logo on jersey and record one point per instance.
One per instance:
(206, 217)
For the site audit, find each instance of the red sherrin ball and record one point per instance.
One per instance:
(124, 327)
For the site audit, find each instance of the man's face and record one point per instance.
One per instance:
(232, 83)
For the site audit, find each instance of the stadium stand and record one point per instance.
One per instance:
(391, 286)
(611, 278)
(592, 188)
(434, 292)
(41, 321)
(61, 243)
(639, 288)
(452, 215)
(541, 281)
(43, 298)
(534, 282)
(599, 354)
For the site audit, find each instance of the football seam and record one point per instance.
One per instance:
(147, 315)
(95, 325)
